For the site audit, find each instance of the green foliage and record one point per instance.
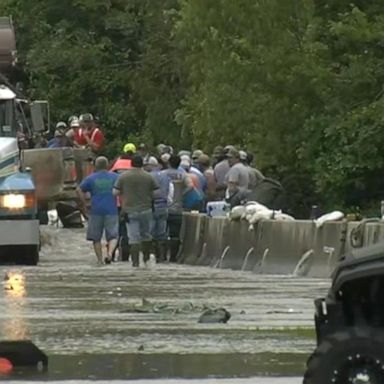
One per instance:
(99, 56)
(298, 82)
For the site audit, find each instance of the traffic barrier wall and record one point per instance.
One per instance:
(273, 247)
(241, 243)
(281, 246)
(328, 248)
(348, 247)
(374, 233)
(191, 236)
(214, 244)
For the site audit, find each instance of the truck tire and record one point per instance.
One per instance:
(30, 255)
(351, 356)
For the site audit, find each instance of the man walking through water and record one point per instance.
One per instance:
(136, 188)
(103, 215)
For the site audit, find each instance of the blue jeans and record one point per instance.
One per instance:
(139, 227)
(159, 224)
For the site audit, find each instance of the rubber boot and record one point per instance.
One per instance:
(174, 245)
(146, 247)
(156, 249)
(160, 247)
(163, 245)
(135, 252)
(124, 252)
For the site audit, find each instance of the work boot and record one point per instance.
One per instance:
(156, 249)
(146, 247)
(135, 252)
(174, 245)
(124, 252)
(160, 251)
(163, 245)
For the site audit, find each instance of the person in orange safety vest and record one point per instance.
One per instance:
(123, 162)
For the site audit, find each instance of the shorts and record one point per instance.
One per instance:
(139, 227)
(98, 224)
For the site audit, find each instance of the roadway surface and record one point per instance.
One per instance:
(85, 318)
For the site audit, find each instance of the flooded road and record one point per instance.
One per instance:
(91, 322)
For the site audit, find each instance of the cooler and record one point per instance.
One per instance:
(218, 208)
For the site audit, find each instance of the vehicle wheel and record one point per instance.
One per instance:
(350, 356)
(30, 255)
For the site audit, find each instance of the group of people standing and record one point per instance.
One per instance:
(140, 197)
(81, 131)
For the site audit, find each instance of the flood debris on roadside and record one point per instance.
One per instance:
(208, 314)
(220, 315)
(148, 307)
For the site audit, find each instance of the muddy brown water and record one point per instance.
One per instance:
(71, 309)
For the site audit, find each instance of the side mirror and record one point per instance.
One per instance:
(40, 115)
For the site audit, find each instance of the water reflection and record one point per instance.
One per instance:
(15, 325)
(14, 284)
(156, 366)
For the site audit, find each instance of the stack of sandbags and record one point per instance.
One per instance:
(253, 212)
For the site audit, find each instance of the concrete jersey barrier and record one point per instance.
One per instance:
(272, 247)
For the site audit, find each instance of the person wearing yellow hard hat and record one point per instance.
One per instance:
(129, 148)
(122, 164)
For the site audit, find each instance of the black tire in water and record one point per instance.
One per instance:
(29, 255)
(351, 356)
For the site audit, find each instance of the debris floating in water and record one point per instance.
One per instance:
(220, 315)
(149, 307)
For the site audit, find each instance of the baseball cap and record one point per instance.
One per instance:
(243, 155)
(196, 154)
(165, 157)
(203, 160)
(233, 153)
(160, 148)
(129, 147)
(168, 149)
(151, 161)
(228, 148)
(185, 161)
(86, 118)
(75, 122)
(71, 118)
(61, 124)
(184, 152)
(218, 150)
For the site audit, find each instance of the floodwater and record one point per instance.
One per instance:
(81, 315)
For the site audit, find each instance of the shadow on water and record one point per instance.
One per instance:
(149, 366)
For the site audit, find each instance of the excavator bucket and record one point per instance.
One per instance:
(7, 44)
